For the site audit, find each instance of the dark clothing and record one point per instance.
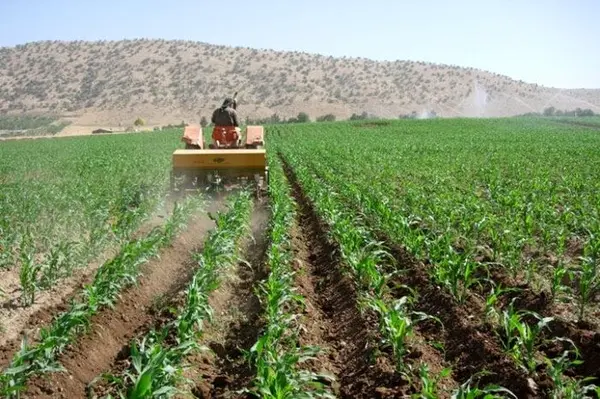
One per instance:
(225, 117)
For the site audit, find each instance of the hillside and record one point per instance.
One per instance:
(111, 83)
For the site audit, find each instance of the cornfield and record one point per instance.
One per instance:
(416, 258)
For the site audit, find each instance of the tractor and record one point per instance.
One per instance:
(229, 162)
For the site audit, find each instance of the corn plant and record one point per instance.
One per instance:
(277, 355)
(397, 325)
(589, 275)
(429, 383)
(492, 299)
(29, 271)
(468, 391)
(157, 364)
(558, 288)
(519, 338)
(110, 278)
(566, 387)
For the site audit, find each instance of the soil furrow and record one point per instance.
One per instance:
(112, 329)
(333, 320)
(237, 323)
(24, 322)
(469, 344)
(585, 336)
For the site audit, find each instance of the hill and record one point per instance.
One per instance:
(110, 83)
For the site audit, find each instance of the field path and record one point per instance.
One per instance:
(112, 329)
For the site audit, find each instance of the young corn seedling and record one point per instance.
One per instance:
(397, 325)
(156, 368)
(519, 338)
(453, 270)
(558, 288)
(429, 383)
(588, 284)
(492, 299)
(29, 271)
(566, 387)
(58, 263)
(468, 391)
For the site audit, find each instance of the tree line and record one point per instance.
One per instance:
(552, 111)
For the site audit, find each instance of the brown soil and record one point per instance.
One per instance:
(25, 322)
(332, 319)
(237, 322)
(112, 329)
(470, 346)
(584, 335)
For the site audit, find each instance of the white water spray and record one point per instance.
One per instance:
(480, 99)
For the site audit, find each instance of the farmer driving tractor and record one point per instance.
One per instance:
(226, 132)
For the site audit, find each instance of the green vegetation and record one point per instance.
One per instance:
(492, 193)
(157, 358)
(277, 355)
(472, 198)
(121, 271)
(68, 199)
(24, 122)
(496, 221)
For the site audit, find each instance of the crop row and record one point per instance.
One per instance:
(478, 202)
(277, 355)
(520, 332)
(453, 266)
(63, 206)
(123, 270)
(157, 359)
(368, 263)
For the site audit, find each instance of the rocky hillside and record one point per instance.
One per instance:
(112, 83)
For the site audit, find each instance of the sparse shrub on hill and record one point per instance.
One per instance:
(24, 122)
(326, 118)
(127, 74)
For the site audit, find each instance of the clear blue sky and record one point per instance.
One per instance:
(550, 42)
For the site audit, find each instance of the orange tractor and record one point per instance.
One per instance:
(229, 161)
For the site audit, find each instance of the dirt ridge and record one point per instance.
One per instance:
(112, 329)
(26, 322)
(237, 324)
(363, 370)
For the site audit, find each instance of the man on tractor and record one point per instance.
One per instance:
(226, 132)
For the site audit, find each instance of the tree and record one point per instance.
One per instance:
(303, 117)
(203, 121)
(356, 117)
(549, 111)
(326, 118)
(139, 122)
